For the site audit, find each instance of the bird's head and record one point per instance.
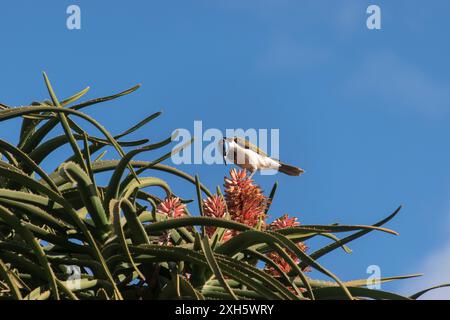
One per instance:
(222, 146)
(225, 144)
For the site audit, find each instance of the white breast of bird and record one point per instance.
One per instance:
(249, 159)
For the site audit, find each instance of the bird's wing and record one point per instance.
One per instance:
(248, 145)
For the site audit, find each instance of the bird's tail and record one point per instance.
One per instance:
(290, 170)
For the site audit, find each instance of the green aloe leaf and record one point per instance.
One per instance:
(188, 289)
(323, 251)
(35, 213)
(422, 292)
(200, 201)
(72, 214)
(114, 182)
(75, 97)
(195, 221)
(65, 124)
(48, 147)
(274, 265)
(87, 156)
(271, 196)
(40, 134)
(21, 111)
(5, 274)
(209, 255)
(110, 165)
(253, 237)
(353, 283)
(138, 234)
(115, 213)
(9, 217)
(336, 293)
(139, 125)
(88, 193)
(237, 270)
(22, 156)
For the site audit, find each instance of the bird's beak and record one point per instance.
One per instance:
(224, 150)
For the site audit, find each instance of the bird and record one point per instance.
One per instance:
(249, 157)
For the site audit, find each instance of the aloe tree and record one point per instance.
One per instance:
(64, 235)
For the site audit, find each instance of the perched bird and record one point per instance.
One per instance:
(248, 156)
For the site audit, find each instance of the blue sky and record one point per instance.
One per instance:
(364, 112)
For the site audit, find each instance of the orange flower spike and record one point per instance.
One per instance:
(213, 207)
(284, 222)
(172, 207)
(245, 200)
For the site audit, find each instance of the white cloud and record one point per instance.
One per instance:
(435, 267)
(436, 270)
